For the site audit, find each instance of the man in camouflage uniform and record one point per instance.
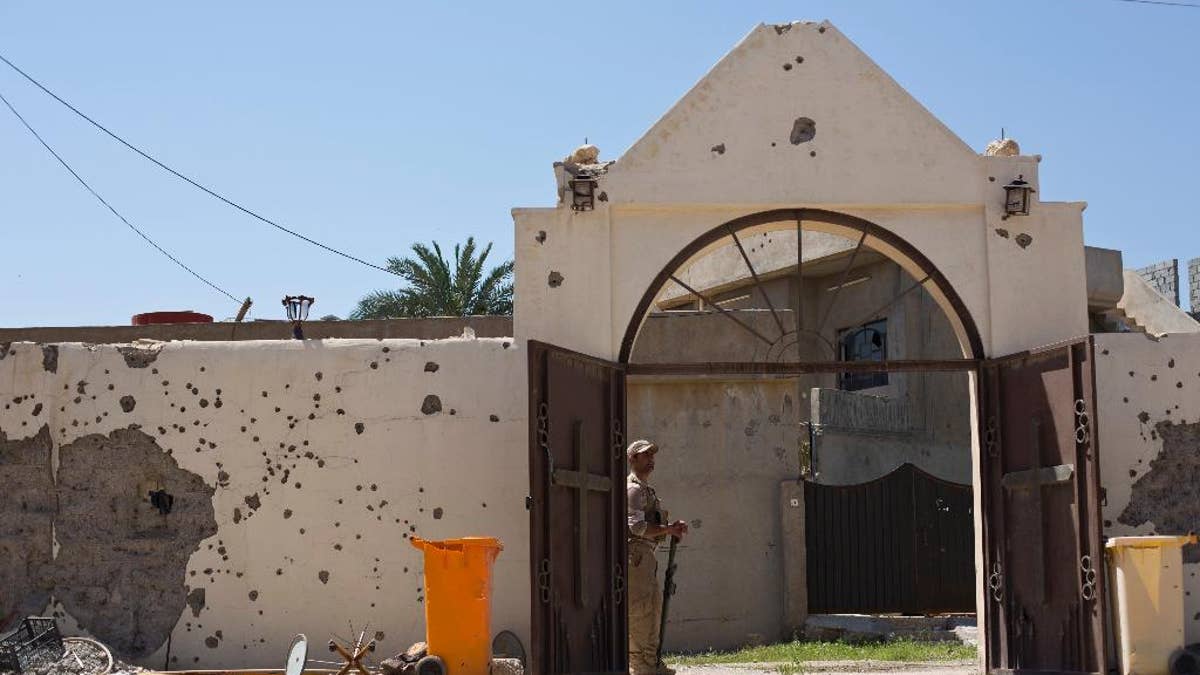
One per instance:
(647, 526)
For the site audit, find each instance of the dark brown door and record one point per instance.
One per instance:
(1043, 573)
(577, 520)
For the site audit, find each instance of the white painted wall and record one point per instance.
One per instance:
(459, 460)
(1141, 383)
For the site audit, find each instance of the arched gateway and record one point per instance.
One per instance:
(831, 146)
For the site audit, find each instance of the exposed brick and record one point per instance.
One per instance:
(1164, 277)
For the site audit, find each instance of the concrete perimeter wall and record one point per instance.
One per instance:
(1148, 394)
(298, 471)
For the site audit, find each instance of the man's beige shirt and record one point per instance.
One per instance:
(642, 501)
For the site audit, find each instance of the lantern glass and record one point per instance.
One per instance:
(297, 306)
(583, 192)
(1016, 197)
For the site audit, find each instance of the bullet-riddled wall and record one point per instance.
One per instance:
(290, 477)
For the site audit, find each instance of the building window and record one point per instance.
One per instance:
(865, 343)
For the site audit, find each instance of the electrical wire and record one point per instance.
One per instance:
(1168, 3)
(103, 201)
(196, 184)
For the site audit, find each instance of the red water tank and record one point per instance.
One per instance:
(187, 316)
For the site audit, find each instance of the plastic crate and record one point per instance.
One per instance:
(36, 635)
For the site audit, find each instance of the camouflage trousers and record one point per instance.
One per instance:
(645, 609)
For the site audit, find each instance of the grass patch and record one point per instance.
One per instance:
(800, 652)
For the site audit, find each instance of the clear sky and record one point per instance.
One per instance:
(371, 125)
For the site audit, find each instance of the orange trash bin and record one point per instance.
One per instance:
(458, 601)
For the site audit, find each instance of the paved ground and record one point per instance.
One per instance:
(843, 667)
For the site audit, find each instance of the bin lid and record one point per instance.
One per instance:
(1157, 541)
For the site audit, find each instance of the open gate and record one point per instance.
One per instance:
(1044, 558)
(577, 505)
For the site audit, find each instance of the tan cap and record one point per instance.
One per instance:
(639, 446)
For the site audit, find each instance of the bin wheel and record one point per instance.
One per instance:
(431, 665)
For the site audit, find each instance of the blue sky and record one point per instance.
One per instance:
(373, 125)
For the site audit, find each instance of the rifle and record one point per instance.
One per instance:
(668, 591)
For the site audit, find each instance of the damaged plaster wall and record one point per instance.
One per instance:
(291, 475)
(725, 448)
(1148, 394)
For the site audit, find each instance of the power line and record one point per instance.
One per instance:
(186, 179)
(95, 194)
(1168, 3)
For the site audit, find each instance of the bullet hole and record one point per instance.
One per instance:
(431, 405)
(787, 66)
(431, 367)
(505, 345)
(803, 131)
(323, 576)
(1125, 399)
(195, 600)
(453, 411)
(316, 397)
(37, 409)
(540, 237)
(318, 375)
(337, 547)
(1171, 363)
(1143, 417)
(1132, 473)
(1154, 378)
(374, 365)
(217, 403)
(555, 279)
(210, 642)
(50, 358)
(799, 59)
(493, 418)
(1023, 240)
(379, 636)
(359, 427)
(253, 502)
(772, 144)
(812, 153)
(278, 571)
(821, 29)
(718, 149)
(264, 394)
(237, 515)
(437, 513)
(127, 403)
(1179, 385)
(287, 513)
(203, 403)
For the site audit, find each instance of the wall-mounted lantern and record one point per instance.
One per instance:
(1016, 198)
(297, 312)
(583, 193)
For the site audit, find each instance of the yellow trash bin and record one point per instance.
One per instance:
(1147, 594)
(458, 601)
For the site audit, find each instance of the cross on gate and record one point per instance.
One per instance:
(583, 483)
(1038, 480)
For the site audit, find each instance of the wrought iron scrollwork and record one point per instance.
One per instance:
(1088, 578)
(991, 438)
(543, 435)
(544, 580)
(618, 583)
(618, 439)
(1082, 423)
(996, 582)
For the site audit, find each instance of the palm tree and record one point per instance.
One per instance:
(436, 289)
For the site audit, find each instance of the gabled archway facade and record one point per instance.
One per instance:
(868, 160)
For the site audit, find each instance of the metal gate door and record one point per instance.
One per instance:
(577, 520)
(1043, 552)
(903, 543)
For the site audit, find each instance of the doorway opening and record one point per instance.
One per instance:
(813, 402)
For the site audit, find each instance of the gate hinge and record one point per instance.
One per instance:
(528, 503)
